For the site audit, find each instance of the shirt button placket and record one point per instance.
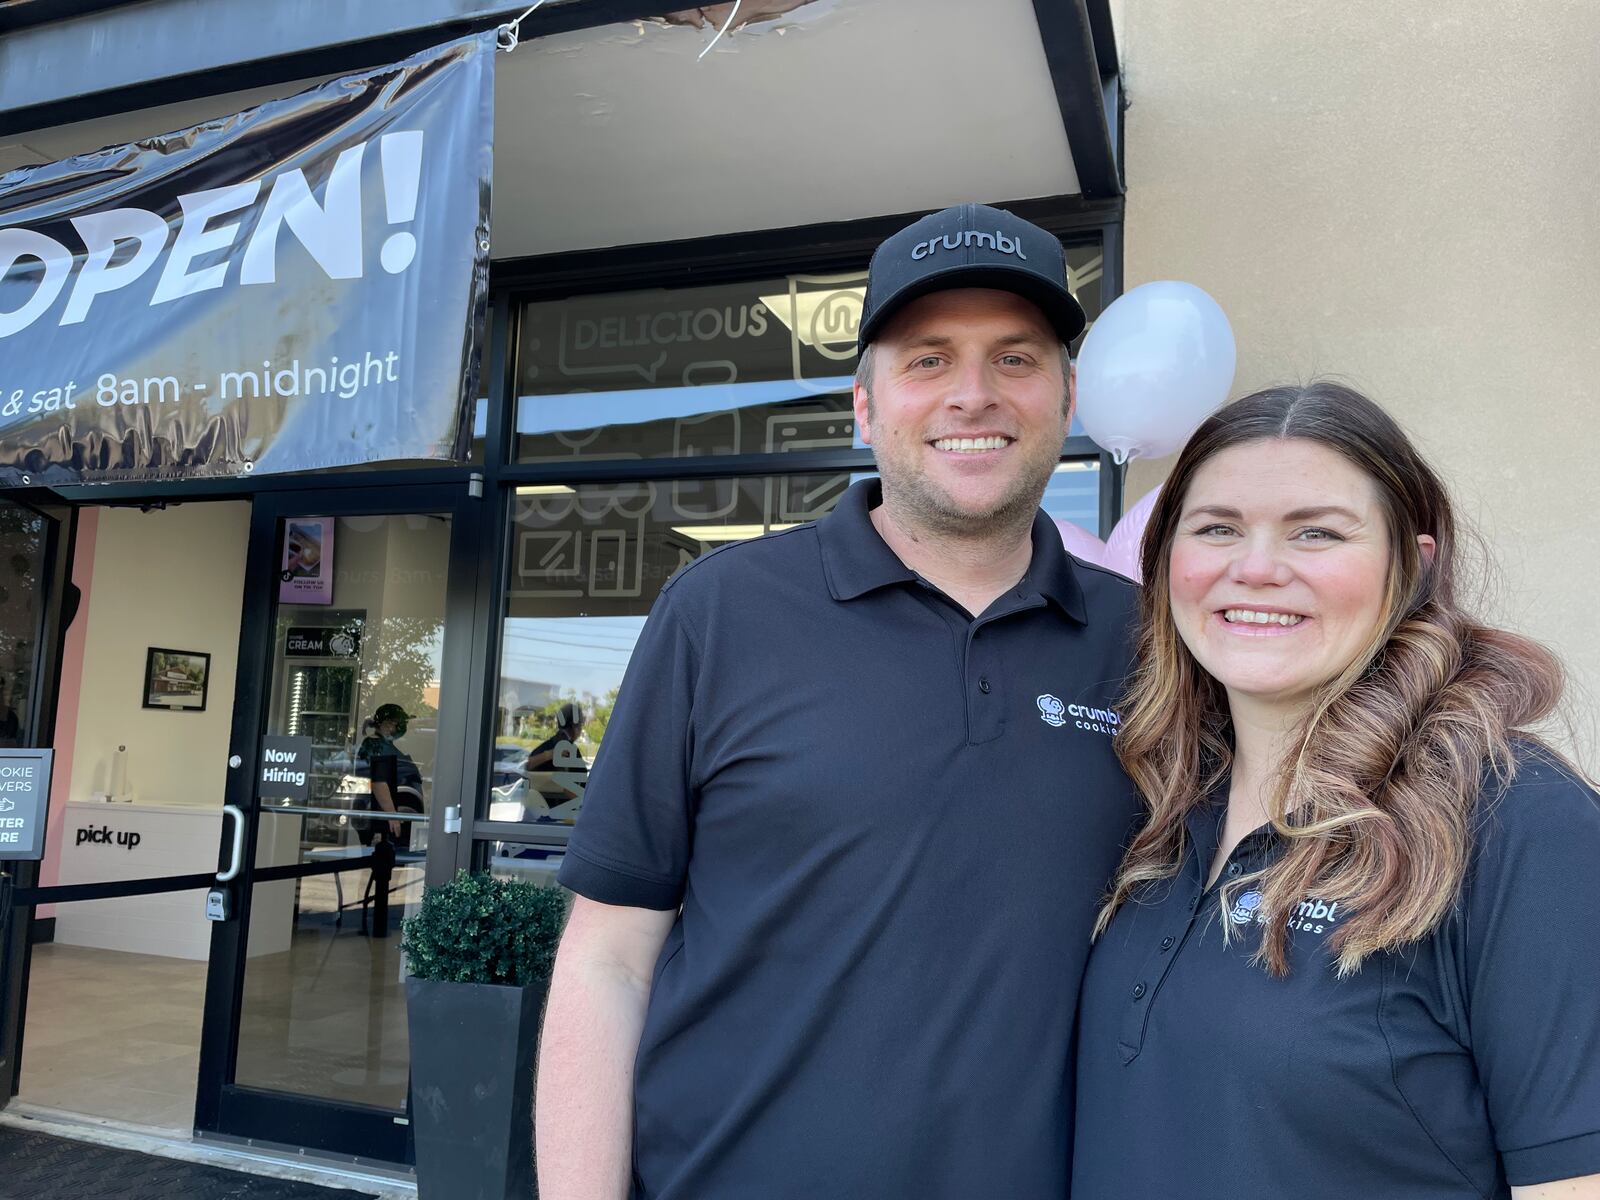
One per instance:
(983, 698)
(1131, 1039)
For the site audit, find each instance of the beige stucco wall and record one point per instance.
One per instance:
(1405, 196)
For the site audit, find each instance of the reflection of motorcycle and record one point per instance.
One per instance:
(550, 796)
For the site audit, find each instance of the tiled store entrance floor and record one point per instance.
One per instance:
(117, 1035)
(113, 1035)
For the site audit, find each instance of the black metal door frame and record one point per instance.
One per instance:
(223, 1106)
(16, 921)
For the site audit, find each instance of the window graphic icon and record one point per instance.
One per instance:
(7, 805)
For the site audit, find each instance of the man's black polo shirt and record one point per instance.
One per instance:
(888, 825)
(1464, 1066)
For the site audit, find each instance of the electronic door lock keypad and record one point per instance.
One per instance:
(217, 905)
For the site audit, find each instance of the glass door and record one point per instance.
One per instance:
(351, 736)
(31, 578)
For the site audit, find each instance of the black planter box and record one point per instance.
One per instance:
(472, 1051)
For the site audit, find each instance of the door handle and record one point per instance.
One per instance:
(237, 859)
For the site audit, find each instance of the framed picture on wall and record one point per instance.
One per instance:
(176, 679)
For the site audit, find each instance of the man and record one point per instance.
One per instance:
(843, 849)
(556, 767)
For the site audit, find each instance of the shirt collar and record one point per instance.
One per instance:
(1050, 571)
(1203, 822)
(857, 560)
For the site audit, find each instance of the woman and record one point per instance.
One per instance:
(1353, 952)
(396, 780)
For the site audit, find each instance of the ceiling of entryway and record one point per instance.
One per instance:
(832, 110)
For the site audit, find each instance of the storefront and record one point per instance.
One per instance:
(678, 255)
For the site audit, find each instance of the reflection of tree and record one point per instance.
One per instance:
(21, 552)
(401, 662)
(600, 716)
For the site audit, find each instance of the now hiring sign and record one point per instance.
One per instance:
(285, 769)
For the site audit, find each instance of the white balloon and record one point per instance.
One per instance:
(1155, 364)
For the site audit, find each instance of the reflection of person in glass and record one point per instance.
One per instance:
(396, 779)
(556, 767)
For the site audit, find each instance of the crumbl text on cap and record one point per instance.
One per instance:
(995, 241)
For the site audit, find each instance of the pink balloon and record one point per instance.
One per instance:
(1122, 547)
(1080, 543)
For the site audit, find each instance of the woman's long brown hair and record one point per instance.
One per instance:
(1377, 794)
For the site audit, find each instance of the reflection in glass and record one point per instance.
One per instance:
(586, 563)
(22, 549)
(760, 367)
(324, 1006)
(1073, 494)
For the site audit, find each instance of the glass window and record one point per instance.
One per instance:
(22, 553)
(1073, 494)
(586, 563)
(745, 368)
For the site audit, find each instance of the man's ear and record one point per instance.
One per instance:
(863, 409)
(1428, 546)
(1072, 389)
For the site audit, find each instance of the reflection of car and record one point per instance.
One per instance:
(508, 760)
(548, 800)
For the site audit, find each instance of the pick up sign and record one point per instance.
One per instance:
(24, 802)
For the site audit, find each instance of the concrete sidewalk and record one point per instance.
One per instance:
(46, 1159)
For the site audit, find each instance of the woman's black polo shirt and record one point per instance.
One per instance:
(888, 825)
(1465, 1065)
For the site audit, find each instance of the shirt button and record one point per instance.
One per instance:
(983, 686)
(1166, 943)
(1233, 869)
(1138, 991)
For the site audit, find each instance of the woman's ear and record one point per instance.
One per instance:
(1426, 544)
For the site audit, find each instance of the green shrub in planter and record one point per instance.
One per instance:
(480, 951)
(479, 929)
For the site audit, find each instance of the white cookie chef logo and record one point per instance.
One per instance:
(1096, 720)
(1247, 909)
(1050, 710)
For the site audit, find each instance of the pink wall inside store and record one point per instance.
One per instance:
(67, 702)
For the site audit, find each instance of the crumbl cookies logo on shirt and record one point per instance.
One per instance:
(1246, 909)
(1310, 916)
(1096, 720)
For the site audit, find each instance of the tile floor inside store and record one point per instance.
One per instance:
(113, 1035)
(117, 1035)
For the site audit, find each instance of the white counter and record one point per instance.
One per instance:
(103, 842)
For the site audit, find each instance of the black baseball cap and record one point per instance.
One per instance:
(970, 245)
